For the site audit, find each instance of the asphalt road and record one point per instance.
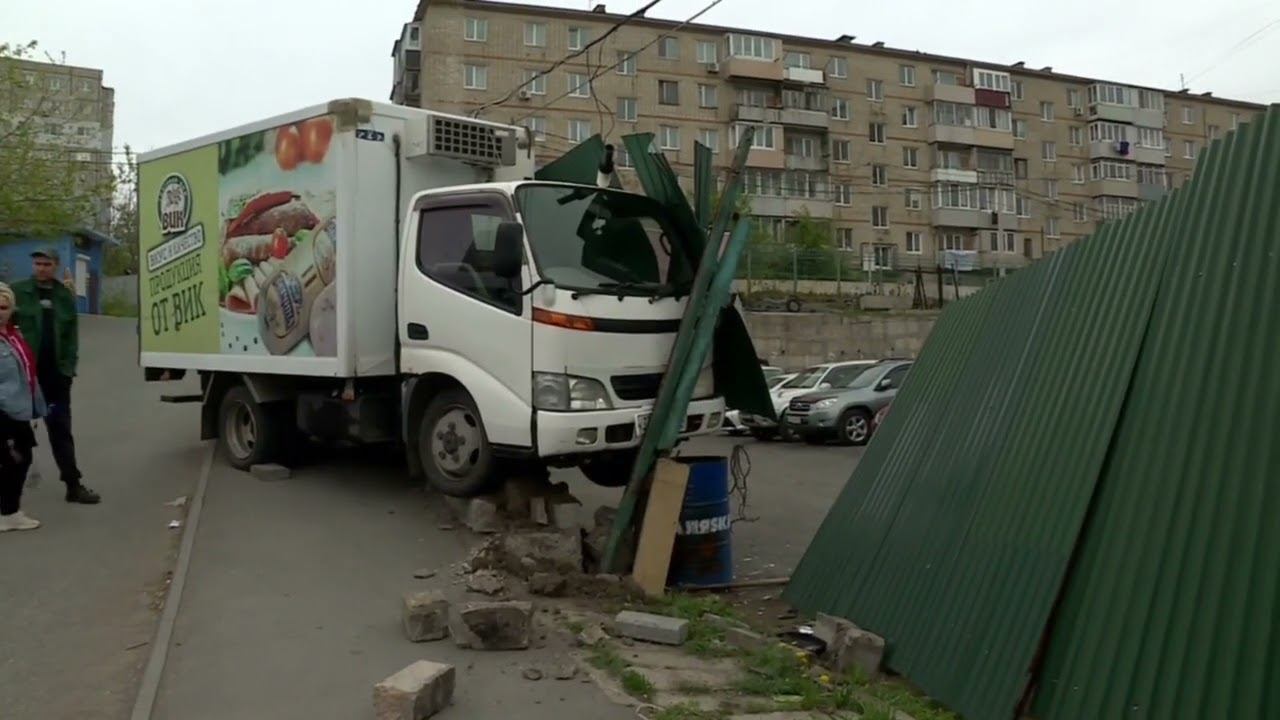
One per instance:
(291, 606)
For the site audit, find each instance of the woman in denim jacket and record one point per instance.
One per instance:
(20, 403)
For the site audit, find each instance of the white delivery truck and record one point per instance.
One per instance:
(373, 273)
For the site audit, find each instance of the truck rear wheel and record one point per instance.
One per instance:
(248, 433)
(609, 469)
(452, 444)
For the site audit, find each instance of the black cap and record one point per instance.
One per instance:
(47, 252)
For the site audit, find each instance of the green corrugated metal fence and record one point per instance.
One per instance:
(958, 529)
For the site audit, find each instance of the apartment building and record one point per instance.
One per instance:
(74, 116)
(907, 154)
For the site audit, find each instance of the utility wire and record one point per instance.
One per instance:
(1248, 40)
(576, 53)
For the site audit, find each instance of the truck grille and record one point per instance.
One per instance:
(636, 387)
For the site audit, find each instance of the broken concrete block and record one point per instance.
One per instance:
(564, 512)
(855, 647)
(745, 639)
(589, 636)
(549, 551)
(480, 514)
(425, 616)
(486, 581)
(492, 625)
(270, 471)
(828, 627)
(547, 584)
(538, 511)
(652, 628)
(415, 693)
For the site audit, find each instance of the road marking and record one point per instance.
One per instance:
(150, 686)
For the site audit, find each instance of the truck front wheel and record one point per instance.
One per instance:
(453, 446)
(249, 433)
(609, 469)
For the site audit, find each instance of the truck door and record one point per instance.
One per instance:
(459, 318)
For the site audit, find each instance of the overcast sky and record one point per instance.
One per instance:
(182, 69)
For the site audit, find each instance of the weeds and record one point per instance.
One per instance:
(705, 639)
(604, 656)
(637, 685)
(575, 626)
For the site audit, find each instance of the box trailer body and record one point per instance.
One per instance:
(338, 265)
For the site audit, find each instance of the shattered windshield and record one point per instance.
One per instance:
(596, 240)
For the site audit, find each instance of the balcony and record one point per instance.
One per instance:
(801, 117)
(960, 217)
(1151, 191)
(986, 137)
(995, 177)
(756, 114)
(777, 206)
(1148, 118)
(1111, 150)
(745, 67)
(801, 162)
(951, 134)
(1117, 188)
(772, 159)
(961, 94)
(808, 76)
(1107, 111)
(954, 175)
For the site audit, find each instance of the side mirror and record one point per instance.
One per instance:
(825, 386)
(884, 384)
(508, 250)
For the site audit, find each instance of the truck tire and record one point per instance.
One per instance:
(609, 469)
(249, 433)
(453, 446)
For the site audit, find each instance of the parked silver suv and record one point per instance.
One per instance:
(845, 413)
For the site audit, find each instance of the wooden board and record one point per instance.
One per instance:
(658, 534)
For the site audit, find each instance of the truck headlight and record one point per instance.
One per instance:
(822, 404)
(705, 386)
(556, 391)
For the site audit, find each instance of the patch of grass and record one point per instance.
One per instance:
(605, 656)
(575, 626)
(878, 712)
(898, 696)
(779, 671)
(693, 688)
(705, 639)
(686, 711)
(636, 685)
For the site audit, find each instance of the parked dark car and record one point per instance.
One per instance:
(846, 414)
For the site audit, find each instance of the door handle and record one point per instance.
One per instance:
(418, 331)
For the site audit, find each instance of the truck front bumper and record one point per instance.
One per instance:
(573, 433)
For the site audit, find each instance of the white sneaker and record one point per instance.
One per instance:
(18, 521)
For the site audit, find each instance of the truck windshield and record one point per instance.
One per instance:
(596, 240)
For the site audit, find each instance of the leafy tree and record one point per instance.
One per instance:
(122, 259)
(43, 190)
(807, 233)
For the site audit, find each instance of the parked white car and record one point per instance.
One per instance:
(733, 418)
(817, 377)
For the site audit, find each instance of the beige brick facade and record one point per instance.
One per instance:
(1045, 196)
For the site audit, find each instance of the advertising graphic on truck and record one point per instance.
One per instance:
(240, 256)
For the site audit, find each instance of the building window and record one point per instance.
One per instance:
(761, 140)
(669, 92)
(1168, 147)
(669, 48)
(535, 83)
(1020, 129)
(1023, 207)
(952, 241)
(838, 67)
(1188, 115)
(707, 96)
(537, 126)
(841, 150)
(1015, 89)
(535, 34)
(947, 113)
(1151, 100)
(1235, 120)
(911, 199)
(579, 85)
(1108, 132)
(840, 108)
(1075, 135)
(627, 109)
(669, 137)
(579, 130)
(800, 146)
(1048, 151)
(1020, 168)
(1051, 189)
(710, 138)
(1110, 170)
(1110, 94)
(751, 46)
(910, 157)
(875, 133)
(992, 118)
(909, 116)
(1189, 149)
(475, 30)
(880, 216)
(707, 52)
(946, 77)
(844, 238)
(1051, 227)
(1010, 242)
(1077, 174)
(879, 175)
(475, 77)
(1073, 98)
(842, 193)
(1046, 111)
(624, 158)
(577, 38)
(914, 243)
(991, 80)
(875, 90)
(907, 75)
(796, 60)
(1079, 212)
(993, 241)
(1153, 175)
(626, 63)
(1213, 132)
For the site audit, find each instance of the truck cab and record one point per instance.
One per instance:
(553, 308)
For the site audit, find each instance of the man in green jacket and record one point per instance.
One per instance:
(49, 321)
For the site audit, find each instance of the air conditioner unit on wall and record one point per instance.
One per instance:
(713, 67)
(523, 94)
(1077, 111)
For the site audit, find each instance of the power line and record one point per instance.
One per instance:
(624, 59)
(1248, 40)
(580, 51)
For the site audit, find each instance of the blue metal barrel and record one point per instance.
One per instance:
(702, 554)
